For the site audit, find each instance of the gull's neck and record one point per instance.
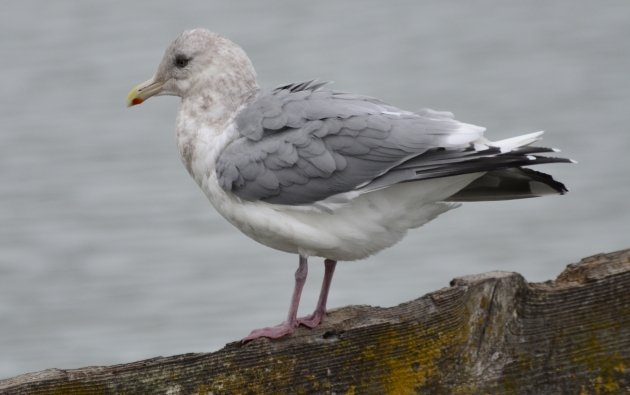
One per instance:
(205, 122)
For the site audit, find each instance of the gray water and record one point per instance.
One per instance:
(109, 253)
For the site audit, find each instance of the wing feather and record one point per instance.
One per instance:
(300, 144)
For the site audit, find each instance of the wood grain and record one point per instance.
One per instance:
(490, 333)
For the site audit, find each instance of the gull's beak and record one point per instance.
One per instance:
(143, 91)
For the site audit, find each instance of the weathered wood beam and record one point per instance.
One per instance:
(488, 333)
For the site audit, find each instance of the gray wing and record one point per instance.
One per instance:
(300, 144)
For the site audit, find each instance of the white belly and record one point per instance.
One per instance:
(358, 229)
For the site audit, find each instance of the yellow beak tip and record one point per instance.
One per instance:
(133, 98)
(141, 92)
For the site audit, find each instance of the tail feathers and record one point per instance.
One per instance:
(511, 143)
(507, 184)
(502, 160)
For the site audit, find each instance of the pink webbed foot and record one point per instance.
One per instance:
(312, 320)
(273, 332)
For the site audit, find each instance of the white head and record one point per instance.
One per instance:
(200, 63)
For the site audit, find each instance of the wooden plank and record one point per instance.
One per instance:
(488, 333)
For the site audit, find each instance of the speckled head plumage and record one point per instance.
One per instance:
(199, 62)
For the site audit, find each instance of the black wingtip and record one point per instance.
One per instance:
(508, 184)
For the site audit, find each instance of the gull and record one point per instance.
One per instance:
(323, 173)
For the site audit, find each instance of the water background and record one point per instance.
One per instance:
(109, 253)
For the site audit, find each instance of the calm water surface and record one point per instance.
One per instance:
(109, 252)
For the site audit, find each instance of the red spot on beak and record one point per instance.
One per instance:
(136, 100)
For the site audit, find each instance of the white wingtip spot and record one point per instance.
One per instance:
(555, 149)
(511, 143)
(531, 157)
(573, 161)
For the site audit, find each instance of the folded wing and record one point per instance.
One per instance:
(301, 144)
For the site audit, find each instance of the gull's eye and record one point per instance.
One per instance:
(181, 61)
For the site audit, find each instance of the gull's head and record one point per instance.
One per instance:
(199, 62)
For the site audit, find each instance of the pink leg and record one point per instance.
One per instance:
(288, 326)
(317, 317)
